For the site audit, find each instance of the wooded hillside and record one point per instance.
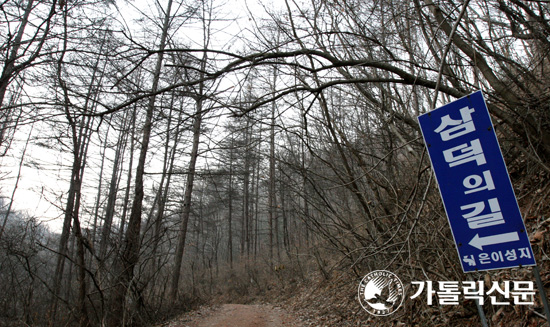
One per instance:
(191, 151)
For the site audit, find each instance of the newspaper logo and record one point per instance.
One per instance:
(381, 293)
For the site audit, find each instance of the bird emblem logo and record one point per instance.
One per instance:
(381, 293)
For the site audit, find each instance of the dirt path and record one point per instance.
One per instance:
(238, 315)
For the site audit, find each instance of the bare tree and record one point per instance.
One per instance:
(206, 19)
(131, 247)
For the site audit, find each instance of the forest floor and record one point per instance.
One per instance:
(243, 315)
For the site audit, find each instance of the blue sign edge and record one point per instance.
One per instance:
(509, 181)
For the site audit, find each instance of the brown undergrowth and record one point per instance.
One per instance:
(321, 289)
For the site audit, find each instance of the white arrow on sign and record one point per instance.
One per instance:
(480, 242)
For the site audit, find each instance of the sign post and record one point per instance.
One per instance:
(476, 190)
(475, 187)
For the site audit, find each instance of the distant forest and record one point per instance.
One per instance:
(193, 149)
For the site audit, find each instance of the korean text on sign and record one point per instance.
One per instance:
(475, 187)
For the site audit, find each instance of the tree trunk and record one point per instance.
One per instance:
(80, 138)
(272, 196)
(245, 239)
(230, 207)
(124, 267)
(126, 200)
(186, 210)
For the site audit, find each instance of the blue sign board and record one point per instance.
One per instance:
(475, 187)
